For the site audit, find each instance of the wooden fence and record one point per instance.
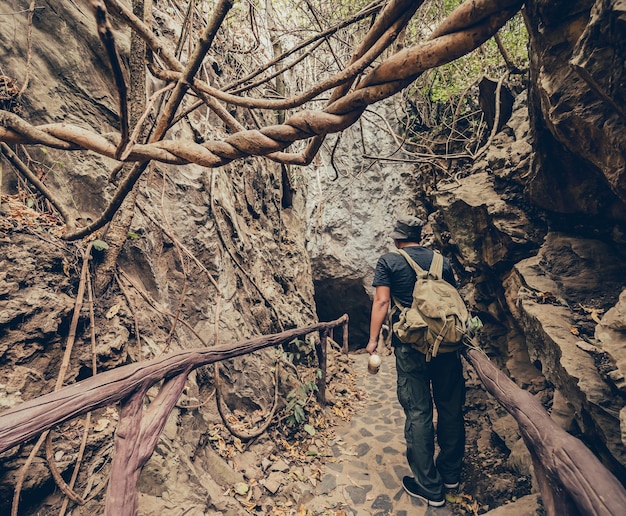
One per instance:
(571, 479)
(139, 428)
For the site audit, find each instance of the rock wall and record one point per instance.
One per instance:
(577, 51)
(216, 245)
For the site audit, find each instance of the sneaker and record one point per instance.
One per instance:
(411, 487)
(452, 485)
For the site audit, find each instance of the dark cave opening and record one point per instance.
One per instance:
(335, 297)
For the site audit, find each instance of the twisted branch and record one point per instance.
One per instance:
(465, 29)
(105, 32)
(369, 10)
(187, 75)
(387, 79)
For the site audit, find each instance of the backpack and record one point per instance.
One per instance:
(437, 319)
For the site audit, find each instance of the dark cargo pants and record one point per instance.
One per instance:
(444, 373)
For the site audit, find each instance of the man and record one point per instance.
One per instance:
(420, 381)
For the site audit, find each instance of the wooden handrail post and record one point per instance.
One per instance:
(555, 501)
(28, 419)
(136, 436)
(345, 334)
(320, 349)
(139, 428)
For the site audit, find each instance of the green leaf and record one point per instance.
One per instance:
(309, 429)
(298, 413)
(30, 202)
(241, 488)
(100, 245)
(132, 235)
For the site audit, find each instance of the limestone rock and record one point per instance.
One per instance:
(578, 124)
(273, 481)
(485, 228)
(506, 429)
(520, 460)
(611, 333)
(570, 270)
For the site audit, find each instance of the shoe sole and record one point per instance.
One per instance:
(432, 503)
(451, 486)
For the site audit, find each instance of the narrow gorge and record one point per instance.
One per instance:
(531, 211)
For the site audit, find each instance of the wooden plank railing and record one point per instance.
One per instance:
(139, 428)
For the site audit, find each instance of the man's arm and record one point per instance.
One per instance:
(380, 307)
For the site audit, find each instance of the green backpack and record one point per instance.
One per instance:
(437, 319)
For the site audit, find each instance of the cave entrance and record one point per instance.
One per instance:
(335, 297)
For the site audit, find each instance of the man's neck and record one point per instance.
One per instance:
(403, 244)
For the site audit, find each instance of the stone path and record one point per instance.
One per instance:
(365, 475)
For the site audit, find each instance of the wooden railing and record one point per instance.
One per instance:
(139, 428)
(571, 479)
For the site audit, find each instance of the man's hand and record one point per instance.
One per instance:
(371, 346)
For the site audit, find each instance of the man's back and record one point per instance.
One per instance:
(393, 271)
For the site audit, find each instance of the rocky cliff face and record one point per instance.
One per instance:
(215, 245)
(536, 230)
(577, 54)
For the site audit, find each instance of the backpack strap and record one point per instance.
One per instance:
(432, 352)
(436, 271)
(436, 266)
(421, 273)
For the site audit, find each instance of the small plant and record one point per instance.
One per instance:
(296, 404)
(100, 245)
(299, 352)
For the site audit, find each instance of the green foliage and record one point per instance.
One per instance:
(299, 352)
(100, 245)
(448, 81)
(296, 405)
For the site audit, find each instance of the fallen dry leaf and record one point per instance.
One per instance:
(113, 311)
(100, 425)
